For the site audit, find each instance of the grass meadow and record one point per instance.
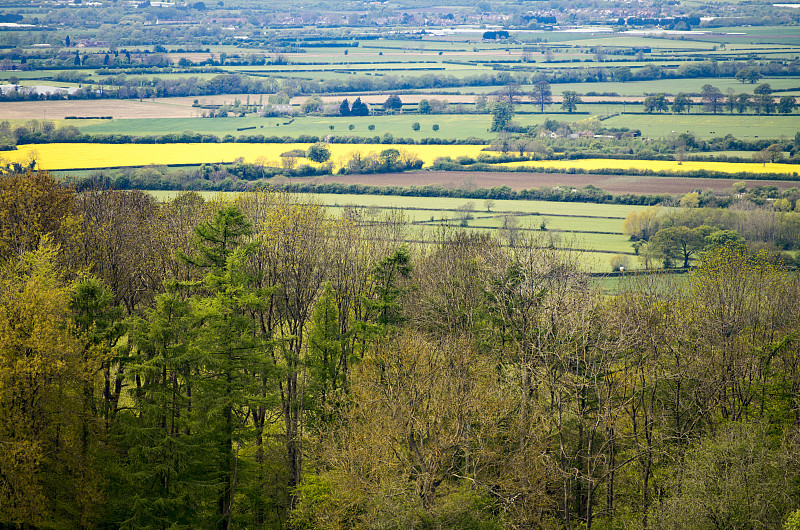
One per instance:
(710, 125)
(457, 126)
(450, 126)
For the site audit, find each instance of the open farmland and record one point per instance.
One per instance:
(674, 86)
(710, 125)
(450, 126)
(457, 126)
(279, 348)
(88, 156)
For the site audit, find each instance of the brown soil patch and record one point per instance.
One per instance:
(617, 184)
(118, 109)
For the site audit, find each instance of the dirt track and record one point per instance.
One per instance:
(616, 184)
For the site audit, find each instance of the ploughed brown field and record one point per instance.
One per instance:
(616, 184)
(119, 109)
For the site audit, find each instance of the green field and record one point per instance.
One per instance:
(450, 126)
(709, 125)
(458, 126)
(674, 86)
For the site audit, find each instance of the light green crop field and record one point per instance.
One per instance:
(741, 36)
(758, 30)
(673, 86)
(708, 126)
(450, 126)
(637, 40)
(458, 126)
(638, 89)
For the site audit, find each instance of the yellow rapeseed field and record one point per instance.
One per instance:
(594, 164)
(89, 156)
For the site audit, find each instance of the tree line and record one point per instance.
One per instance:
(125, 86)
(761, 101)
(261, 363)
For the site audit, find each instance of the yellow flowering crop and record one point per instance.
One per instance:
(89, 156)
(594, 164)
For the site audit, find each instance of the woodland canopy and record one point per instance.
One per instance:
(260, 363)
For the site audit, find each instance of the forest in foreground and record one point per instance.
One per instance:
(261, 363)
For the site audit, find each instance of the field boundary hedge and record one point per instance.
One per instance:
(546, 193)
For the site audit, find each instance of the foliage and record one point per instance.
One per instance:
(502, 114)
(712, 98)
(642, 224)
(541, 95)
(657, 103)
(570, 100)
(393, 103)
(735, 478)
(319, 153)
(681, 102)
(32, 204)
(307, 370)
(46, 428)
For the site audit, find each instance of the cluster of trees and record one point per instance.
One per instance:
(357, 109)
(761, 101)
(679, 237)
(259, 363)
(387, 161)
(502, 111)
(393, 104)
